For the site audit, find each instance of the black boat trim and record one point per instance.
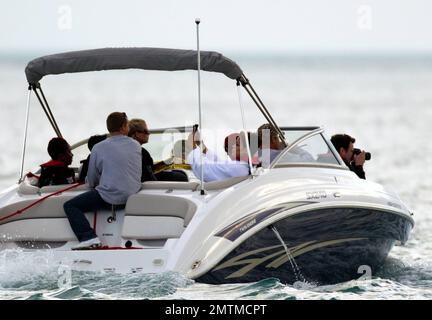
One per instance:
(240, 226)
(237, 228)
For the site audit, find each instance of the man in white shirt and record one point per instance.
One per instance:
(215, 168)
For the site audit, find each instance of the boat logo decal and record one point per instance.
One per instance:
(277, 256)
(316, 195)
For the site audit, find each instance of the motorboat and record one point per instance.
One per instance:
(297, 219)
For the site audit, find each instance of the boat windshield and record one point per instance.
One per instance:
(306, 147)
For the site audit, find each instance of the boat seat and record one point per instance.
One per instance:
(49, 208)
(25, 188)
(150, 217)
(152, 227)
(52, 229)
(170, 185)
(51, 189)
(142, 204)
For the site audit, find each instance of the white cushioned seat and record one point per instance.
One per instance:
(141, 204)
(151, 217)
(170, 185)
(151, 228)
(51, 189)
(49, 208)
(26, 188)
(54, 229)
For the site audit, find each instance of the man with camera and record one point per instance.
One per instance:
(354, 158)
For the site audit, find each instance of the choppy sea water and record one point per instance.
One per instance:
(385, 102)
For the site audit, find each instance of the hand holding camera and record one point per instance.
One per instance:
(359, 156)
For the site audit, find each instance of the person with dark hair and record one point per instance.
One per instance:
(269, 144)
(138, 130)
(90, 144)
(344, 145)
(114, 173)
(57, 171)
(233, 146)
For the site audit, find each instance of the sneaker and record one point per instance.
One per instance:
(88, 244)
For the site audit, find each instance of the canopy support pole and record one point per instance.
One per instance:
(246, 138)
(202, 190)
(21, 178)
(46, 109)
(49, 111)
(256, 99)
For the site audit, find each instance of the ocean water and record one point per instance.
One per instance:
(385, 102)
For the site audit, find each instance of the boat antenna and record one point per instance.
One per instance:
(202, 191)
(25, 135)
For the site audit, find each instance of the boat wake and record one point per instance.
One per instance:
(36, 276)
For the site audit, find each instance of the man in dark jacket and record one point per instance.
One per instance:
(344, 144)
(56, 171)
(85, 163)
(138, 130)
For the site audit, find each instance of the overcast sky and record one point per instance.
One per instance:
(236, 25)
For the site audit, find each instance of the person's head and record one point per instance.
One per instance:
(93, 140)
(230, 143)
(138, 130)
(117, 123)
(268, 137)
(235, 147)
(344, 145)
(59, 149)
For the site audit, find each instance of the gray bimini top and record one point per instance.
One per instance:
(129, 58)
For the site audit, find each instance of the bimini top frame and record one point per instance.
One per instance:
(134, 58)
(129, 58)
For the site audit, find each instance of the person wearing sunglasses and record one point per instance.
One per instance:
(139, 131)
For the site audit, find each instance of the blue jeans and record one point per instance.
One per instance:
(76, 207)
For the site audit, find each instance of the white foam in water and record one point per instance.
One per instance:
(20, 269)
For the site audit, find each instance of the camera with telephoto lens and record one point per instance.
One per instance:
(367, 154)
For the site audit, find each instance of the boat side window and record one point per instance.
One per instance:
(312, 150)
